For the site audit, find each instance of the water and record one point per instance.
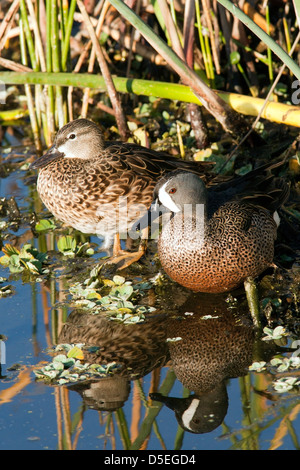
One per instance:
(219, 346)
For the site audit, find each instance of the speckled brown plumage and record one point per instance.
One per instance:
(81, 179)
(137, 349)
(237, 237)
(215, 345)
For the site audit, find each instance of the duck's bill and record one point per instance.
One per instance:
(48, 157)
(150, 217)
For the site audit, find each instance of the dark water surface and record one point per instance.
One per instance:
(204, 371)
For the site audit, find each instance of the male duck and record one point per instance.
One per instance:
(219, 236)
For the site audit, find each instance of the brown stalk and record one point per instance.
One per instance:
(11, 65)
(86, 94)
(171, 28)
(7, 22)
(197, 120)
(125, 40)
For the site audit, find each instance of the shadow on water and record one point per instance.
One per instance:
(181, 377)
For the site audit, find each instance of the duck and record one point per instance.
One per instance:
(213, 239)
(100, 187)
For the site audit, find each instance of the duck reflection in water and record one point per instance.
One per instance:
(137, 349)
(213, 342)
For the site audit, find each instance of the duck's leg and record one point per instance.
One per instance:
(126, 258)
(252, 298)
(117, 245)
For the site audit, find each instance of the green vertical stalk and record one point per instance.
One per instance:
(209, 57)
(68, 31)
(161, 20)
(63, 12)
(201, 39)
(27, 32)
(30, 103)
(269, 52)
(50, 88)
(287, 35)
(56, 61)
(173, 14)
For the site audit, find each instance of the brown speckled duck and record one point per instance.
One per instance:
(217, 237)
(83, 180)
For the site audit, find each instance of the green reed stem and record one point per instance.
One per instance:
(287, 35)
(68, 31)
(50, 107)
(123, 428)
(269, 52)
(278, 112)
(201, 39)
(27, 32)
(63, 12)
(173, 14)
(56, 60)
(48, 37)
(55, 37)
(161, 20)
(209, 57)
(30, 102)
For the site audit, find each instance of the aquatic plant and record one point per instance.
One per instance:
(27, 258)
(68, 366)
(115, 296)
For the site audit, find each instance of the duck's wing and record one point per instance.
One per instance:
(144, 161)
(259, 187)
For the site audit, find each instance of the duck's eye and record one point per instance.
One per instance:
(72, 136)
(172, 190)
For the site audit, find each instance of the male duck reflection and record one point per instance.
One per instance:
(227, 234)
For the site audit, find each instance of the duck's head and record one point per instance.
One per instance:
(179, 188)
(78, 139)
(178, 191)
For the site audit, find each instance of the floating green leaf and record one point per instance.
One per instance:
(45, 225)
(65, 369)
(277, 333)
(115, 297)
(67, 245)
(28, 258)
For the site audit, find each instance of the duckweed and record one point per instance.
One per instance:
(280, 364)
(68, 366)
(277, 333)
(27, 258)
(67, 245)
(113, 296)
